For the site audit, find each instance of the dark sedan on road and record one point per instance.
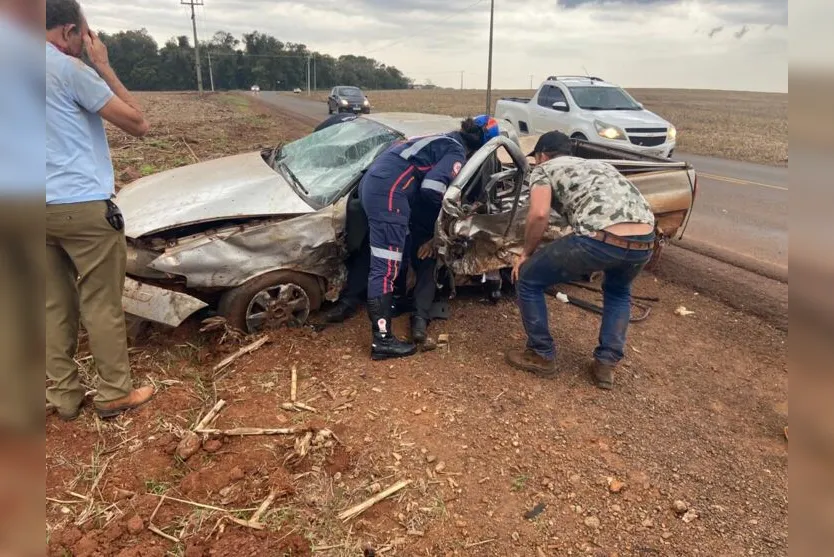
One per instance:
(348, 99)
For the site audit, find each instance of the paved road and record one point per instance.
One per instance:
(741, 210)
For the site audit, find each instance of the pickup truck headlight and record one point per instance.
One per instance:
(672, 134)
(609, 132)
(344, 102)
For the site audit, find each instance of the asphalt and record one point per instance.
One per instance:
(740, 215)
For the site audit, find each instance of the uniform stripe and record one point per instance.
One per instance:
(434, 185)
(417, 147)
(388, 254)
(394, 187)
(409, 152)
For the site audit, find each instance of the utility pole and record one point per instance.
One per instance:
(531, 81)
(315, 88)
(461, 80)
(211, 72)
(194, 3)
(489, 69)
(308, 74)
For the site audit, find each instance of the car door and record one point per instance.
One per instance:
(547, 118)
(480, 222)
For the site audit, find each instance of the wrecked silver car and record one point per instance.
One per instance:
(261, 238)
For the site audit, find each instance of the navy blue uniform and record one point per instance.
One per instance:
(405, 183)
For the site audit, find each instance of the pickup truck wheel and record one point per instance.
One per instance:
(579, 136)
(276, 299)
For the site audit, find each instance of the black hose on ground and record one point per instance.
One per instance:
(594, 308)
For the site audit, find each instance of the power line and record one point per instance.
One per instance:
(192, 4)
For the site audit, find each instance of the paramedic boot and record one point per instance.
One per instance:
(419, 329)
(339, 313)
(384, 344)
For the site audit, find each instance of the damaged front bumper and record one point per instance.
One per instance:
(158, 304)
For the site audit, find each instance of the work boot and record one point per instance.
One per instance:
(419, 328)
(385, 345)
(341, 312)
(135, 399)
(529, 360)
(603, 375)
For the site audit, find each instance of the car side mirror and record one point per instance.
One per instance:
(561, 106)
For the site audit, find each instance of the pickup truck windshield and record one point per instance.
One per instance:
(603, 98)
(321, 165)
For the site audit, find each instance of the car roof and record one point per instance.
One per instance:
(413, 124)
(581, 81)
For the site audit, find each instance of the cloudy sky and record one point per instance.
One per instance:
(714, 44)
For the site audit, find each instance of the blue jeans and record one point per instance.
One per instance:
(569, 259)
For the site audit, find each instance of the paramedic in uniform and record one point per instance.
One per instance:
(406, 184)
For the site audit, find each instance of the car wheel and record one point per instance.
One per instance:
(272, 300)
(329, 109)
(579, 136)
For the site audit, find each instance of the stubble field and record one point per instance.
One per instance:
(735, 125)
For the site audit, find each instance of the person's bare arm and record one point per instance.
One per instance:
(122, 110)
(538, 217)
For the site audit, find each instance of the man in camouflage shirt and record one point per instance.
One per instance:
(613, 232)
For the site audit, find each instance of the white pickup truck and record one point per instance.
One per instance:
(592, 109)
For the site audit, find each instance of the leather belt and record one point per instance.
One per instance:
(620, 242)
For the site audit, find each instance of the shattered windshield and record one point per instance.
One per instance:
(603, 98)
(321, 165)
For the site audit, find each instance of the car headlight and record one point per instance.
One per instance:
(672, 134)
(609, 132)
(344, 102)
(366, 103)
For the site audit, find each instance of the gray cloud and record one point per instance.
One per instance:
(714, 31)
(436, 39)
(578, 3)
(741, 32)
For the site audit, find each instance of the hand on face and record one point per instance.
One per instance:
(96, 50)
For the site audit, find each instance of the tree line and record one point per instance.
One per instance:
(257, 59)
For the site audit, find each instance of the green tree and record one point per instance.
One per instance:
(258, 58)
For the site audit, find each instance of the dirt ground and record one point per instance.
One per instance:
(686, 457)
(734, 125)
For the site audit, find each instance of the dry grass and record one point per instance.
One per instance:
(727, 124)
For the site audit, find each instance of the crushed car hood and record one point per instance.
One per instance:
(630, 118)
(227, 188)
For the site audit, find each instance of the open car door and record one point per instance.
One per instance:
(480, 228)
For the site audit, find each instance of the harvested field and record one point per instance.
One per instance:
(185, 130)
(686, 457)
(734, 125)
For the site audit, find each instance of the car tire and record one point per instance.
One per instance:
(274, 299)
(329, 110)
